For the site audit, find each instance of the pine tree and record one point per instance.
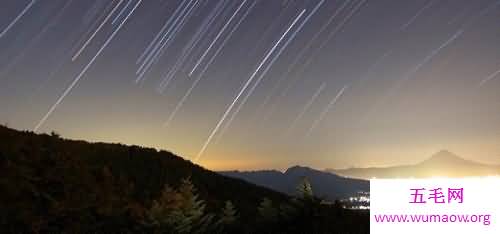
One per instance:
(229, 215)
(161, 209)
(304, 189)
(267, 210)
(180, 210)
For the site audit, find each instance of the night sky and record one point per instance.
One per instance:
(247, 84)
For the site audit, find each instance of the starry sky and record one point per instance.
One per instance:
(249, 84)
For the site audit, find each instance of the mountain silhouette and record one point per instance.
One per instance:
(441, 164)
(445, 157)
(41, 171)
(55, 185)
(326, 185)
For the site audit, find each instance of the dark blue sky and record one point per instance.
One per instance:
(259, 84)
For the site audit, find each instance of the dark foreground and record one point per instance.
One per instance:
(53, 185)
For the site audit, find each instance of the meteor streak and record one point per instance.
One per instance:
(157, 44)
(157, 52)
(305, 108)
(75, 81)
(297, 59)
(153, 42)
(412, 72)
(269, 65)
(315, 37)
(17, 18)
(35, 39)
(205, 28)
(121, 12)
(177, 29)
(375, 65)
(335, 30)
(244, 88)
(346, 19)
(95, 32)
(268, 30)
(488, 78)
(433, 54)
(230, 34)
(419, 12)
(186, 95)
(65, 55)
(217, 37)
(326, 110)
(186, 51)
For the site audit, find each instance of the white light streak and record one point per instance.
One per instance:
(153, 42)
(297, 59)
(269, 65)
(216, 37)
(75, 81)
(244, 88)
(171, 32)
(336, 29)
(18, 17)
(186, 95)
(325, 111)
(95, 32)
(419, 12)
(488, 78)
(305, 108)
(190, 46)
(433, 54)
(121, 12)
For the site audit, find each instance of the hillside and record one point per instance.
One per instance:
(326, 185)
(442, 163)
(53, 185)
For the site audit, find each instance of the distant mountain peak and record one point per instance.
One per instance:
(444, 156)
(325, 184)
(297, 168)
(444, 153)
(443, 163)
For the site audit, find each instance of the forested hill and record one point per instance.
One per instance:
(47, 165)
(53, 185)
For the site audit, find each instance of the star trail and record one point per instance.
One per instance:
(345, 82)
(18, 17)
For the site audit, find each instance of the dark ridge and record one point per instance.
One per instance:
(326, 185)
(145, 170)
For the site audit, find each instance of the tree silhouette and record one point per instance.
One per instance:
(49, 184)
(229, 215)
(180, 210)
(304, 189)
(267, 211)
